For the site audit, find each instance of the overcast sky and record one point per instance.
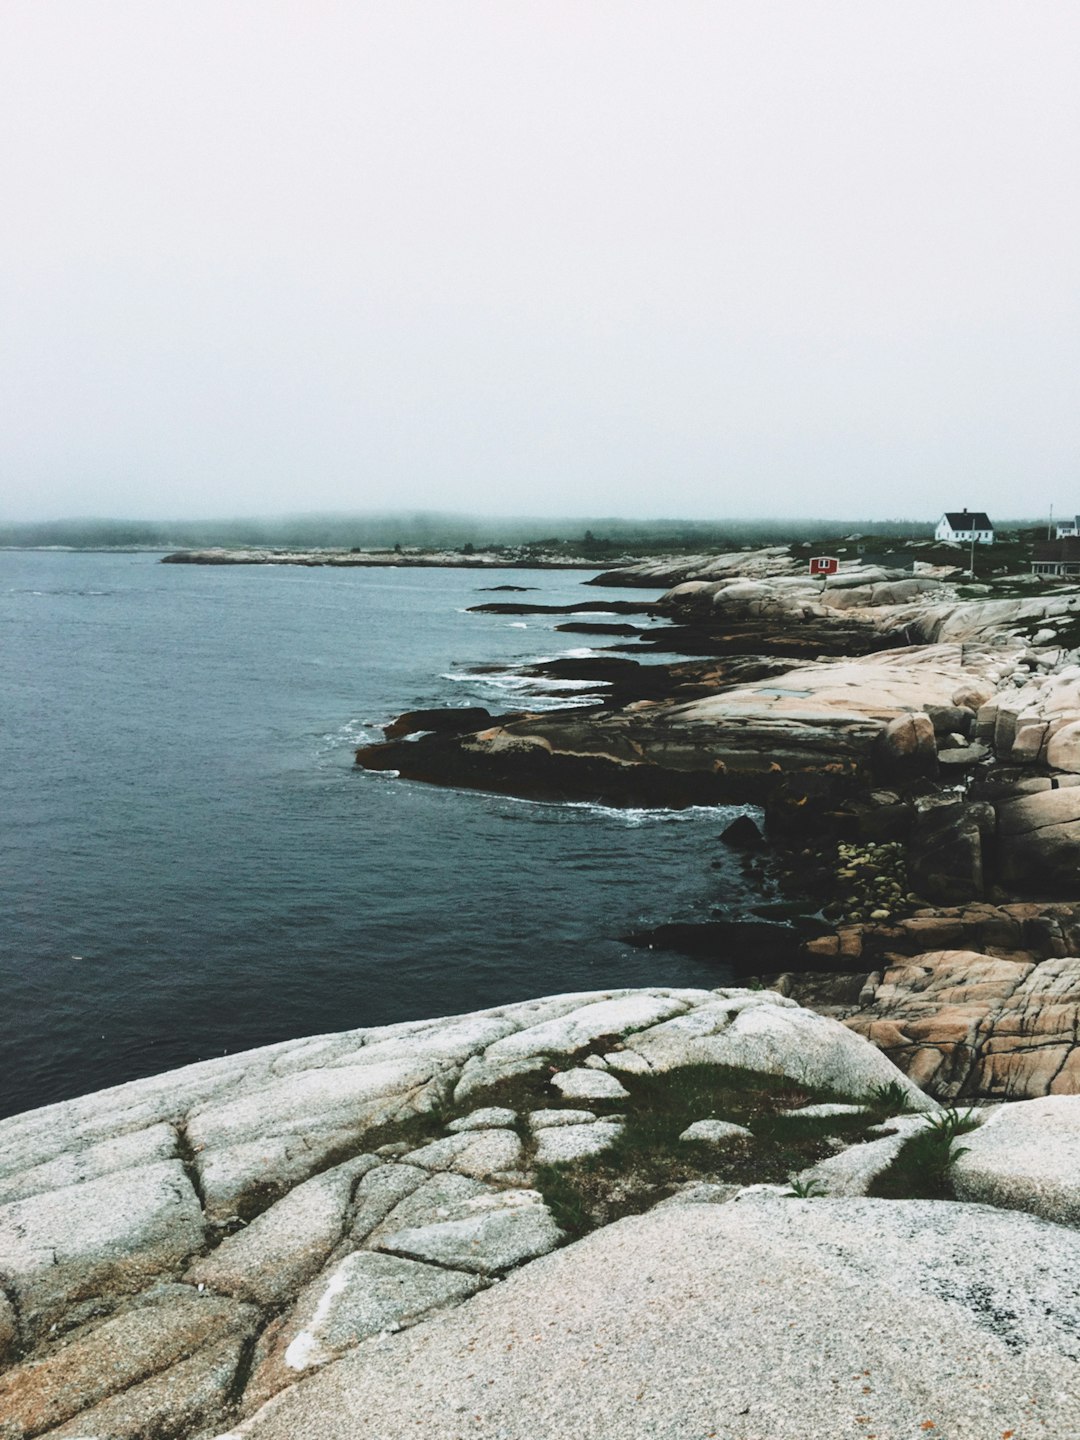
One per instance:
(745, 257)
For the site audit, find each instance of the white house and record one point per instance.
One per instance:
(1066, 529)
(962, 526)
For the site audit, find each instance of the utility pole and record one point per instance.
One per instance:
(1050, 527)
(971, 570)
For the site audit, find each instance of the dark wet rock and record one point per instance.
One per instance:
(441, 722)
(745, 947)
(947, 848)
(951, 719)
(1038, 842)
(743, 834)
(906, 748)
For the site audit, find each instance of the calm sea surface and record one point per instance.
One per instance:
(190, 863)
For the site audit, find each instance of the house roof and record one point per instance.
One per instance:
(968, 519)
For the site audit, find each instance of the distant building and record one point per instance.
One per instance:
(960, 527)
(1057, 557)
(1067, 528)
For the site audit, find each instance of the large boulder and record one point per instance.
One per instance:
(1038, 842)
(763, 1317)
(907, 747)
(1026, 1157)
(1063, 749)
(945, 853)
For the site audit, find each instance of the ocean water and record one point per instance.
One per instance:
(191, 864)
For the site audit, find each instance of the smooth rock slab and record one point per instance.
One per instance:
(588, 1085)
(105, 1358)
(495, 1234)
(90, 1162)
(716, 1132)
(562, 1145)
(582, 1026)
(478, 1153)
(825, 1111)
(285, 1246)
(854, 1170)
(546, 1119)
(368, 1293)
(493, 1117)
(1026, 1156)
(763, 1319)
(111, 1234)
(185, 1399)
(755, 1030)
(440, 1197)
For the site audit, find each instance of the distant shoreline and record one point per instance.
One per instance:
(386, 559)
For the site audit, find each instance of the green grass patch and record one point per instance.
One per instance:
(648, 1161)
(923, 1168)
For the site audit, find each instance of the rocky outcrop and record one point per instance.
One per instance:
(176, 1251)
(830, 719)
(763, 1316)
(1026, 1157)
(963, 1024)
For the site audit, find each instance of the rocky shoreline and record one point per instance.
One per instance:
(403, 559)
(844, 1199)
(937, 766)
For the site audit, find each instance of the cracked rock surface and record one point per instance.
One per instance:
(176, 1254)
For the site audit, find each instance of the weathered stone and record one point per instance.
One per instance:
(480, 1073)
(493, 1117)
(716, 1132)
(824, 1111)
(701, 1192)
(477, 1152)
(964, 1023)
(350, 1098)
(760, 1030)
(366, 1294)
(90, 1162)
(854, 1170)
(962, 757)
(440, 1197)
(241, 1180)
(1039, 842)
(186, 1399)
(972, 694)
(627, 1062)
(286, 1245)
(115, 1233)
(907, 747)
(494, 1234)
(955, 1315)
(9, 1328)
(545, 1119)
(588, 1085)
(1063, 750)
(1026, 1157)
(564, 1145)
(581, 1027)
(105, 1358)
(378, 1193)
(945, 857)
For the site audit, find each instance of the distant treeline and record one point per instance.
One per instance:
(433, 530)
